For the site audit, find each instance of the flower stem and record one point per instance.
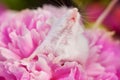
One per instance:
(105, 13)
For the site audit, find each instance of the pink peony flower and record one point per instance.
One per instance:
(40, 45)
(22, 32)
(104, 55)
(22, 70)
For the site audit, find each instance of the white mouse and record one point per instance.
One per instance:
(65, 39)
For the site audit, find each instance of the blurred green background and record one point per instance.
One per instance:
(21, 4)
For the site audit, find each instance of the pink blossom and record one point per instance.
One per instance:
(23, 70)
(22, 32)
(28, 52)
(104, 55)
